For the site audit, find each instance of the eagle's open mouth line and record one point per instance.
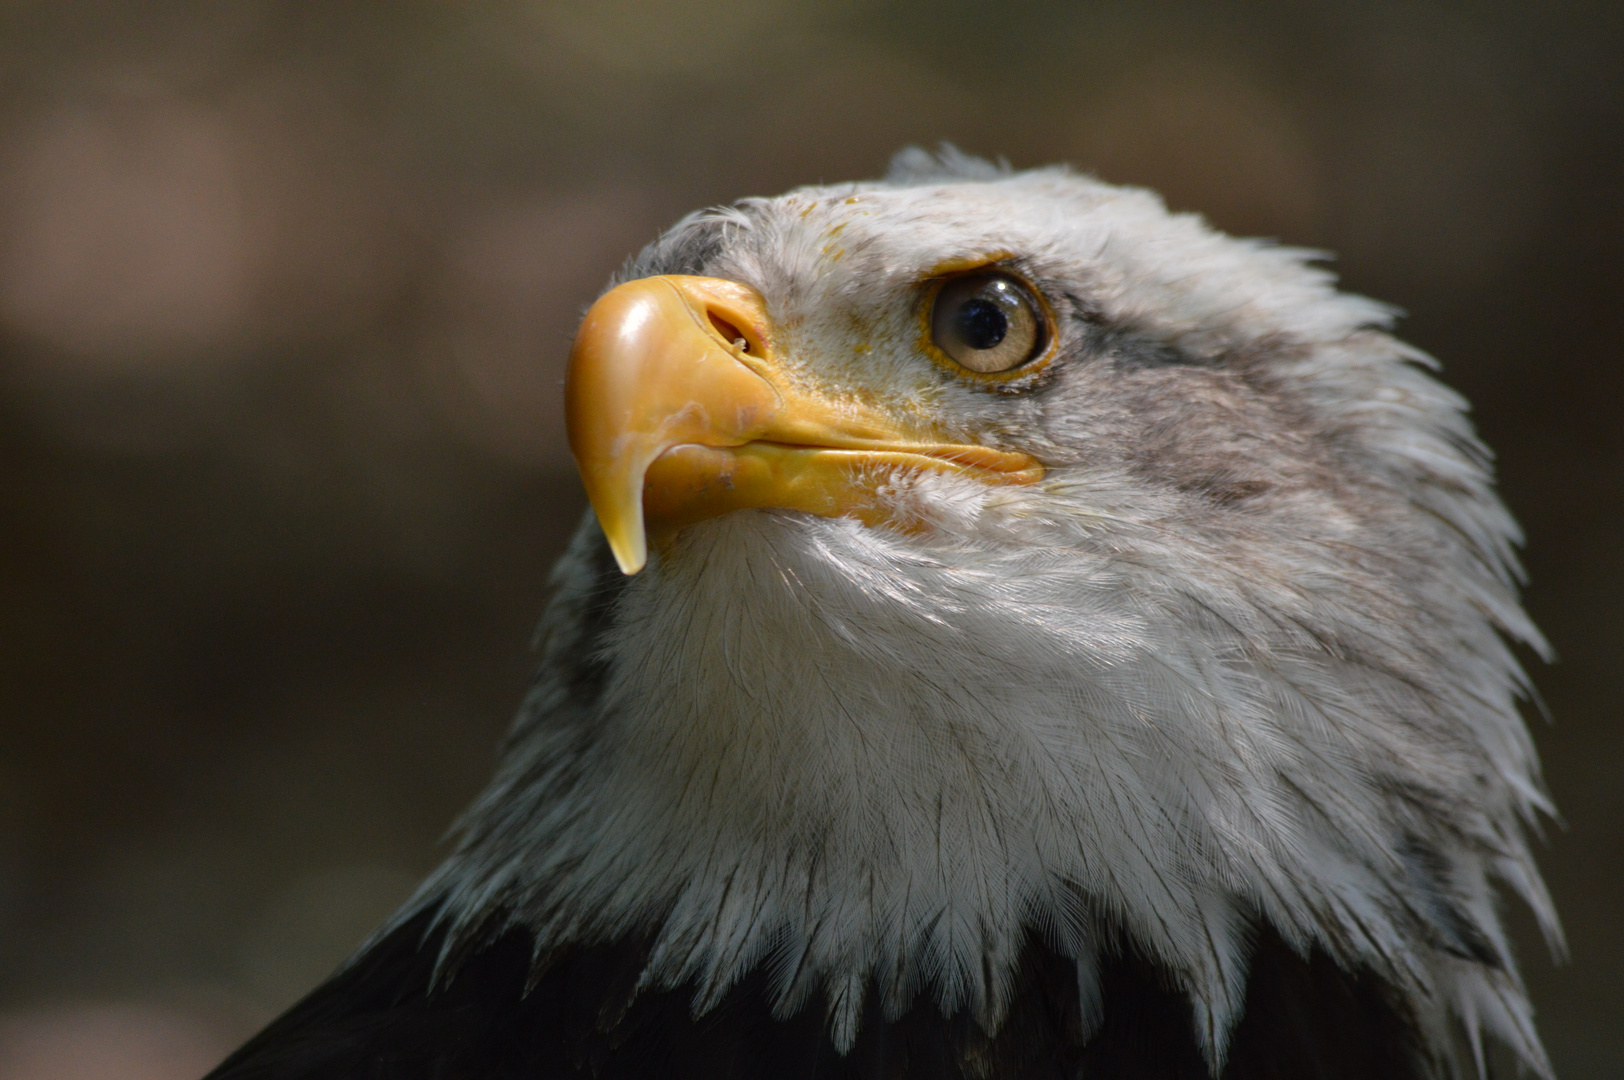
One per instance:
(963, 456)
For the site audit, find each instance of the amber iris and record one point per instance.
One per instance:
(987, 322)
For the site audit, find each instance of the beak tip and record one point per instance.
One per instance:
(631, 553)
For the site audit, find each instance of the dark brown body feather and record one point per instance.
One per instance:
(380, 1019)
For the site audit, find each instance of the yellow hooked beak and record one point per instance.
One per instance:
(678, 410)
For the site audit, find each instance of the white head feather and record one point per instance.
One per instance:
(1238, 657)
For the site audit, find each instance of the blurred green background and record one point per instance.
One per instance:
(285, 290)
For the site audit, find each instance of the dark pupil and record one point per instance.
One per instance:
(982, 324)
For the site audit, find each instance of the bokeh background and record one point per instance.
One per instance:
(285, 290)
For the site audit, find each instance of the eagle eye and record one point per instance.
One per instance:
(987, 322)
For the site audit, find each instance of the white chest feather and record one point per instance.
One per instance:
(879, 771)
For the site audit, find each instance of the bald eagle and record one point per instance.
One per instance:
(1019, 632)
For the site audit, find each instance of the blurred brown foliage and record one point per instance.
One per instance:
(285, 289)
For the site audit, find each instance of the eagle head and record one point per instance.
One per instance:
(983, 558)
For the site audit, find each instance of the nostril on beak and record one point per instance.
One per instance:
(730, 333)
